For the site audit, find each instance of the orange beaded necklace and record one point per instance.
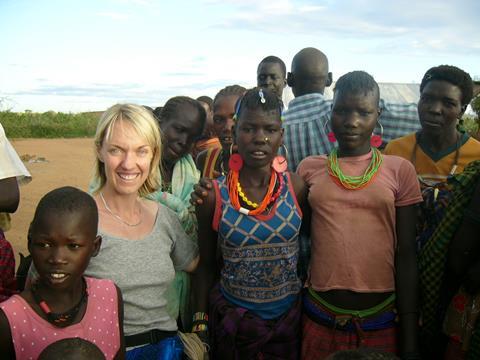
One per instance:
(232, 182)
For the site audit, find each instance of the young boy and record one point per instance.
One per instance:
(62, 303)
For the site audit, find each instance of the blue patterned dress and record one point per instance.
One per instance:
(260, 253)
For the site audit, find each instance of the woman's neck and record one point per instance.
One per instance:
(437, 142)
(353, 152)
(119, 203)
(167, 171)
(255, 177)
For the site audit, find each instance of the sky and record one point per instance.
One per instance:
(73, 56)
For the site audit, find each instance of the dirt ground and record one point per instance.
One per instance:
(52, 163)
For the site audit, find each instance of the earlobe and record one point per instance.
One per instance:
(329, 80)
(97, 243)
(99, 154)
(290, 79)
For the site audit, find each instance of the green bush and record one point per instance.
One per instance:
(471, 124)
(48, 125)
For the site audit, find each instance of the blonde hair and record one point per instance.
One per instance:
(146, 127)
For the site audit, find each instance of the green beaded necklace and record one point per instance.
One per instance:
(353, 182)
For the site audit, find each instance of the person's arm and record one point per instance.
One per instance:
(121, 352)
(193, 265)
(204, 277)
(406, 280)
(301, 191)
(6, 344)
(9, 195)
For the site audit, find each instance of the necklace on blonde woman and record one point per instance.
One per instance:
(118, 218)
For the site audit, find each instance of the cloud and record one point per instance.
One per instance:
(437, 27)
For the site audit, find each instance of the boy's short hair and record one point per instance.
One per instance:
(275, 60)
(454, 76)
(67, 199)
(357, 82)
(72, 349)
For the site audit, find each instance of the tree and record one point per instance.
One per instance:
(475, 104)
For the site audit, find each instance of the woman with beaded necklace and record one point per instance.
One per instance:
(362, 233)
(254, 214)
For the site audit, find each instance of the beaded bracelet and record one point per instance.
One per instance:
(472, 215)
(200, 316)
(199, 327)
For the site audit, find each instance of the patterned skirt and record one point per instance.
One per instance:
(237, 333)
(326, 331)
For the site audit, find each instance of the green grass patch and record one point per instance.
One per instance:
(48, 125)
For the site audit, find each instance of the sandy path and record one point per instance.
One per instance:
(69, 162)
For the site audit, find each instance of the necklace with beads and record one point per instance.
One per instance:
(353, 182)
(235, 193)
(60, 319)
(118, 218)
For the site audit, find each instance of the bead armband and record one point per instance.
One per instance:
(200, 316)
(200, 322)
(198, 327)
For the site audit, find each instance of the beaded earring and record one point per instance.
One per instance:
(279, 163)
(376, 140)
(330, 135)
(235, 162)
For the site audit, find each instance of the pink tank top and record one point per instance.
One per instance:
(31, 334)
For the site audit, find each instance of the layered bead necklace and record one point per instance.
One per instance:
(236, 193)
(354, 182)
(60, 319)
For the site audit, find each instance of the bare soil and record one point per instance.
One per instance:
(53, 163)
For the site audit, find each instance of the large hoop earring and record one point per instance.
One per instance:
(330, 135)
(279, 163)
(235, 161)
(376, 140)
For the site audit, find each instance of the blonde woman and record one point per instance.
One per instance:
(143, 241)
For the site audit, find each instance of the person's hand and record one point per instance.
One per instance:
(200, 191)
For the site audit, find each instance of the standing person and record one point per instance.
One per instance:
(143, 241)
(12, 173)
(272, 75)
(181, 121)
(254, 215)
(208, 138)
(449, 275)
(438, 150)
(214, 162)
(309, 112)
(363, 260)
(62, 302)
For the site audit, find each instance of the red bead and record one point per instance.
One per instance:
(376, 140)
(235, 163)
(279, 164)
